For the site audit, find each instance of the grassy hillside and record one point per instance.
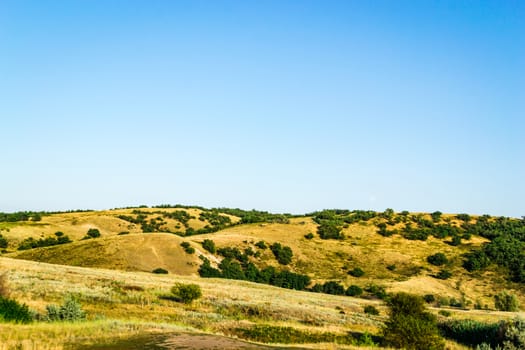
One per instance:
(389, 250)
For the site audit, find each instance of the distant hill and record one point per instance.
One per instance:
(386, 249)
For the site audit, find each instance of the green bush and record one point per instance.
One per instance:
(12, 311)
(437, 259)
(209, 245)
(410, 326)
(444, 274)
(377, 291)
(93, 233)
(429, 298)
(354, 291)
(309, 235)
(332, 287)
(445, 313)
(186, 293)
(391, 267)
(469, 332)
(283, 254)
(70, 310)
(3, 242)
(330, 230)
(371, 310)
(356, 272)
(261, 245)
(506, 301)
(160, 270)
(187, 247)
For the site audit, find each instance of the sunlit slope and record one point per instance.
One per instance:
(109, 223)
(394, 262)
(133, 252)
(391, 261)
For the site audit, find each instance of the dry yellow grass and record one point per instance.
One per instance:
(321, 259)
(133, 299)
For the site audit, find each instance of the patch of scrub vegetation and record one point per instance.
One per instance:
(289, 335)
(30, 243)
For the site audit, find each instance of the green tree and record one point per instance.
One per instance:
(186, 293)
(93, 233)
(506, 301)
(410, 326)
(437, 259)
(209, 245)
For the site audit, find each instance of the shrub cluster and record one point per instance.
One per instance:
(3, 242)
(410, 326)
(283, 254)
(186, 293)
(187, 247)
(70, 310)
(245, 270)
(12, 311)
(209, 245)
(437, 259)
(30, 243)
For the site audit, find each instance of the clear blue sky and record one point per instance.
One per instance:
(286, 106)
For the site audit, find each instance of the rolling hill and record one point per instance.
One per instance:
(389, 250)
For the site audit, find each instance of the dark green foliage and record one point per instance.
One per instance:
(330, 230)
(354, 291)
(30, 243)
(93, 233)
(290, 280)
(334, 288)
(456, 240)
(410, 326)
(429, 298)
(506, 301)
(231, 269)
(470, 332)
(356, 272)
(206, 270)
(436, 216)
(261, 245)
(382, 230)
(3, 241)
(377, 291)
(476, 260)
(21, 216)
(444, 274)
(437, 259)
(209, 245)
(371, 310)
(160, 270)
(70, 310)
(255, 216)
(391, 267)
(216, 220)
(186, 293)
(463, 217)
(309, 235)
(12, 311)
(187, 247)
(283, 254)
(445, 313)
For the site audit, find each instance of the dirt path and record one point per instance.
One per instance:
(176, 341)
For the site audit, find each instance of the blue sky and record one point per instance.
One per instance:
(286, 106)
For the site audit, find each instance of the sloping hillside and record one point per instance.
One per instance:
(133, 252)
